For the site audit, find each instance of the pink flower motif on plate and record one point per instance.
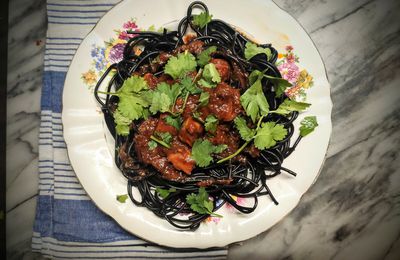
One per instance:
(130, 25)
(289, 71)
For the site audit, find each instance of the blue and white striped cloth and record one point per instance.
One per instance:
(68, 225)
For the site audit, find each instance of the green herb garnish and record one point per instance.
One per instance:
(175, 121)
(308, 124)
(204, 57)
(132, 104)
(165, 193)
(252, 50)
(122, 198)
(201, 203)
(202, 150)
(289, 106)
(203, 100)
(178, 66)
(164, 97)
(202, 19)
(253, 100)
(152, 144)
(211, 123)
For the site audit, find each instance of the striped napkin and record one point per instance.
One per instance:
(68, 225)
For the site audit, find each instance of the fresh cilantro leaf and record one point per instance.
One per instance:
(133, 84)
(131, 106)
(308, 124)
(211, 123)
(202, 150)
(280, 84)
(219, 148)
(210, 76)
(203, 100)
(189, 86)
(206, 84)
(132, 103)
(268, 134)
(254, 102)
(290, 105)
(178, 66)
(201, 203)
(153, 28)
(164, 97)
(245, 132)
(204, 57)
(202, 19)
(196, 115)
(165, 193)
(254, 76)
(159, 141)
(122, 123)
(174, 121)
(152, 144)
(252, 50)
(166, 137)
(211, 73)
(161, 103)
(122, 198)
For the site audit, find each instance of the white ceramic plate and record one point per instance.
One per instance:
(93, 161)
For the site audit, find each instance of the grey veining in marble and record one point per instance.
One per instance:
(353, 209)
(27, 30)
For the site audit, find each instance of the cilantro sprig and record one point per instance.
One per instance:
(175, 121)
(204, 57)
(164, 193)
(202, 151)
(252, 50)
(162, 138)
(122, 198)
(132, 105)
(268, 134)
(152, 144)
(211, 123)
(245, 132)
(280, 85)
(210, 77)
(204, 98)
(264, 136)
(253, 100)
(202, 19)
(201, 203)
(289, 106)
(163, 98)
(307, 125)
(178, 66)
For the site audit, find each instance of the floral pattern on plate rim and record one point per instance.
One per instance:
(112, 51)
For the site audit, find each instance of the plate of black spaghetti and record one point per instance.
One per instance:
(196, 124)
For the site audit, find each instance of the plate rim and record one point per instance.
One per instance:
(329, 113)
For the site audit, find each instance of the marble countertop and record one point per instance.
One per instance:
(353, 209)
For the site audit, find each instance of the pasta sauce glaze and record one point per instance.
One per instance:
(175, 163)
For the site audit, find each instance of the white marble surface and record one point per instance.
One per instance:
(351, 212)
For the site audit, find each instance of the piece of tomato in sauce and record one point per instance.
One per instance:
(190, 131)
(163, 127)
(180, 157)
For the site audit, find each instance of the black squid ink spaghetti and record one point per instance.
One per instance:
(199, 116)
